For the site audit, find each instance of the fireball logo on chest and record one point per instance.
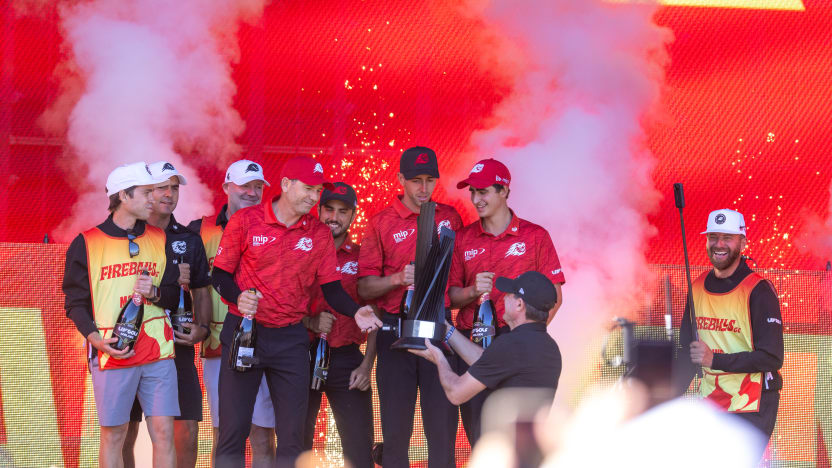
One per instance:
(349, 268)
(443, 224)
(304, 243)
(517, 249)
(179, 247)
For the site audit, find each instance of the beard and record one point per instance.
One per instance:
(336, 228)
(721, 263)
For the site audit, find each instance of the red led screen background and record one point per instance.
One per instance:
(744, 122)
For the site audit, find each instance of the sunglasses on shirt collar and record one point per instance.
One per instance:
(132, 246)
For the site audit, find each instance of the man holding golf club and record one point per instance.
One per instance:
(738, 335)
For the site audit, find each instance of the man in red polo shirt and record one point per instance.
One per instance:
(283, 252)
(347, 385)
(385, 271)
(498, 244)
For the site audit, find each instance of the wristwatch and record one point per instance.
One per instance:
(156, 294)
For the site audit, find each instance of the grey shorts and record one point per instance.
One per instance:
(263, 410)
(115, 390)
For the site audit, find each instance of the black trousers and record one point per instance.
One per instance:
(398, 375)
(283, 355)
(353, 409)
(471, 410)
(764, 419)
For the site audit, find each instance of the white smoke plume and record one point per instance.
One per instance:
(155, 84)
(585, 76)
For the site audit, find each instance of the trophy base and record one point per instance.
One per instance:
(409, 342)
(419, 343)
(414, 333)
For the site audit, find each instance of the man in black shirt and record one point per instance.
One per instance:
(102, 267)
(525, 357)
(738, 339)
(185, 254)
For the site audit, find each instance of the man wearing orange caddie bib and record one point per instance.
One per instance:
(103, 266)
(740, 346)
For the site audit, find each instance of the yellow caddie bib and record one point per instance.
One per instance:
(211, 235)
(112, 275)
(724, 324)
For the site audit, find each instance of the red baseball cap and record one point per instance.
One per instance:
(485, 174)
(306, 170)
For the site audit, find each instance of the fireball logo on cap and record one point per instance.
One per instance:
(252, 168)
(168, 167)
(720, 219)
(422, 158)
(477, 168)
(318, 168)
(340, 190)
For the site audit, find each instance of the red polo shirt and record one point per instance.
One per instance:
(390, 243)
(284, 263)
(344, 331)
(522, 247)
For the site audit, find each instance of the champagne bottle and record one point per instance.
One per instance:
(242, 356)
(320, 367)
(183, 319)
(129, 321)
(407, 302)
(484, 326)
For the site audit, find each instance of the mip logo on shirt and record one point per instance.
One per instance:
(470, 254)
(402, 235)
(257, 241)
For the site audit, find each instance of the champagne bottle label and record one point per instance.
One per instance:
(484, 325)
(137, 299)
(245, 356)
(180, 320)
(321, 372)
(126, 331)
(481, 331)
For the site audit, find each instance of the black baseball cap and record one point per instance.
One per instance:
(533, 287)
(340, 191)
(417, 161)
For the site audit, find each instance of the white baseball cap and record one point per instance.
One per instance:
(163, 170)
(244, 171)
(726, 222)
(129, 175)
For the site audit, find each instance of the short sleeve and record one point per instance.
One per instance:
(327, 270)
(548, 262)
(200, 273)
(456, 277)
(370, 257)
(456, 220)
(232, 244)
(492, 367)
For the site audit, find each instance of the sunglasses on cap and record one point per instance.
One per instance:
(132, 246)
